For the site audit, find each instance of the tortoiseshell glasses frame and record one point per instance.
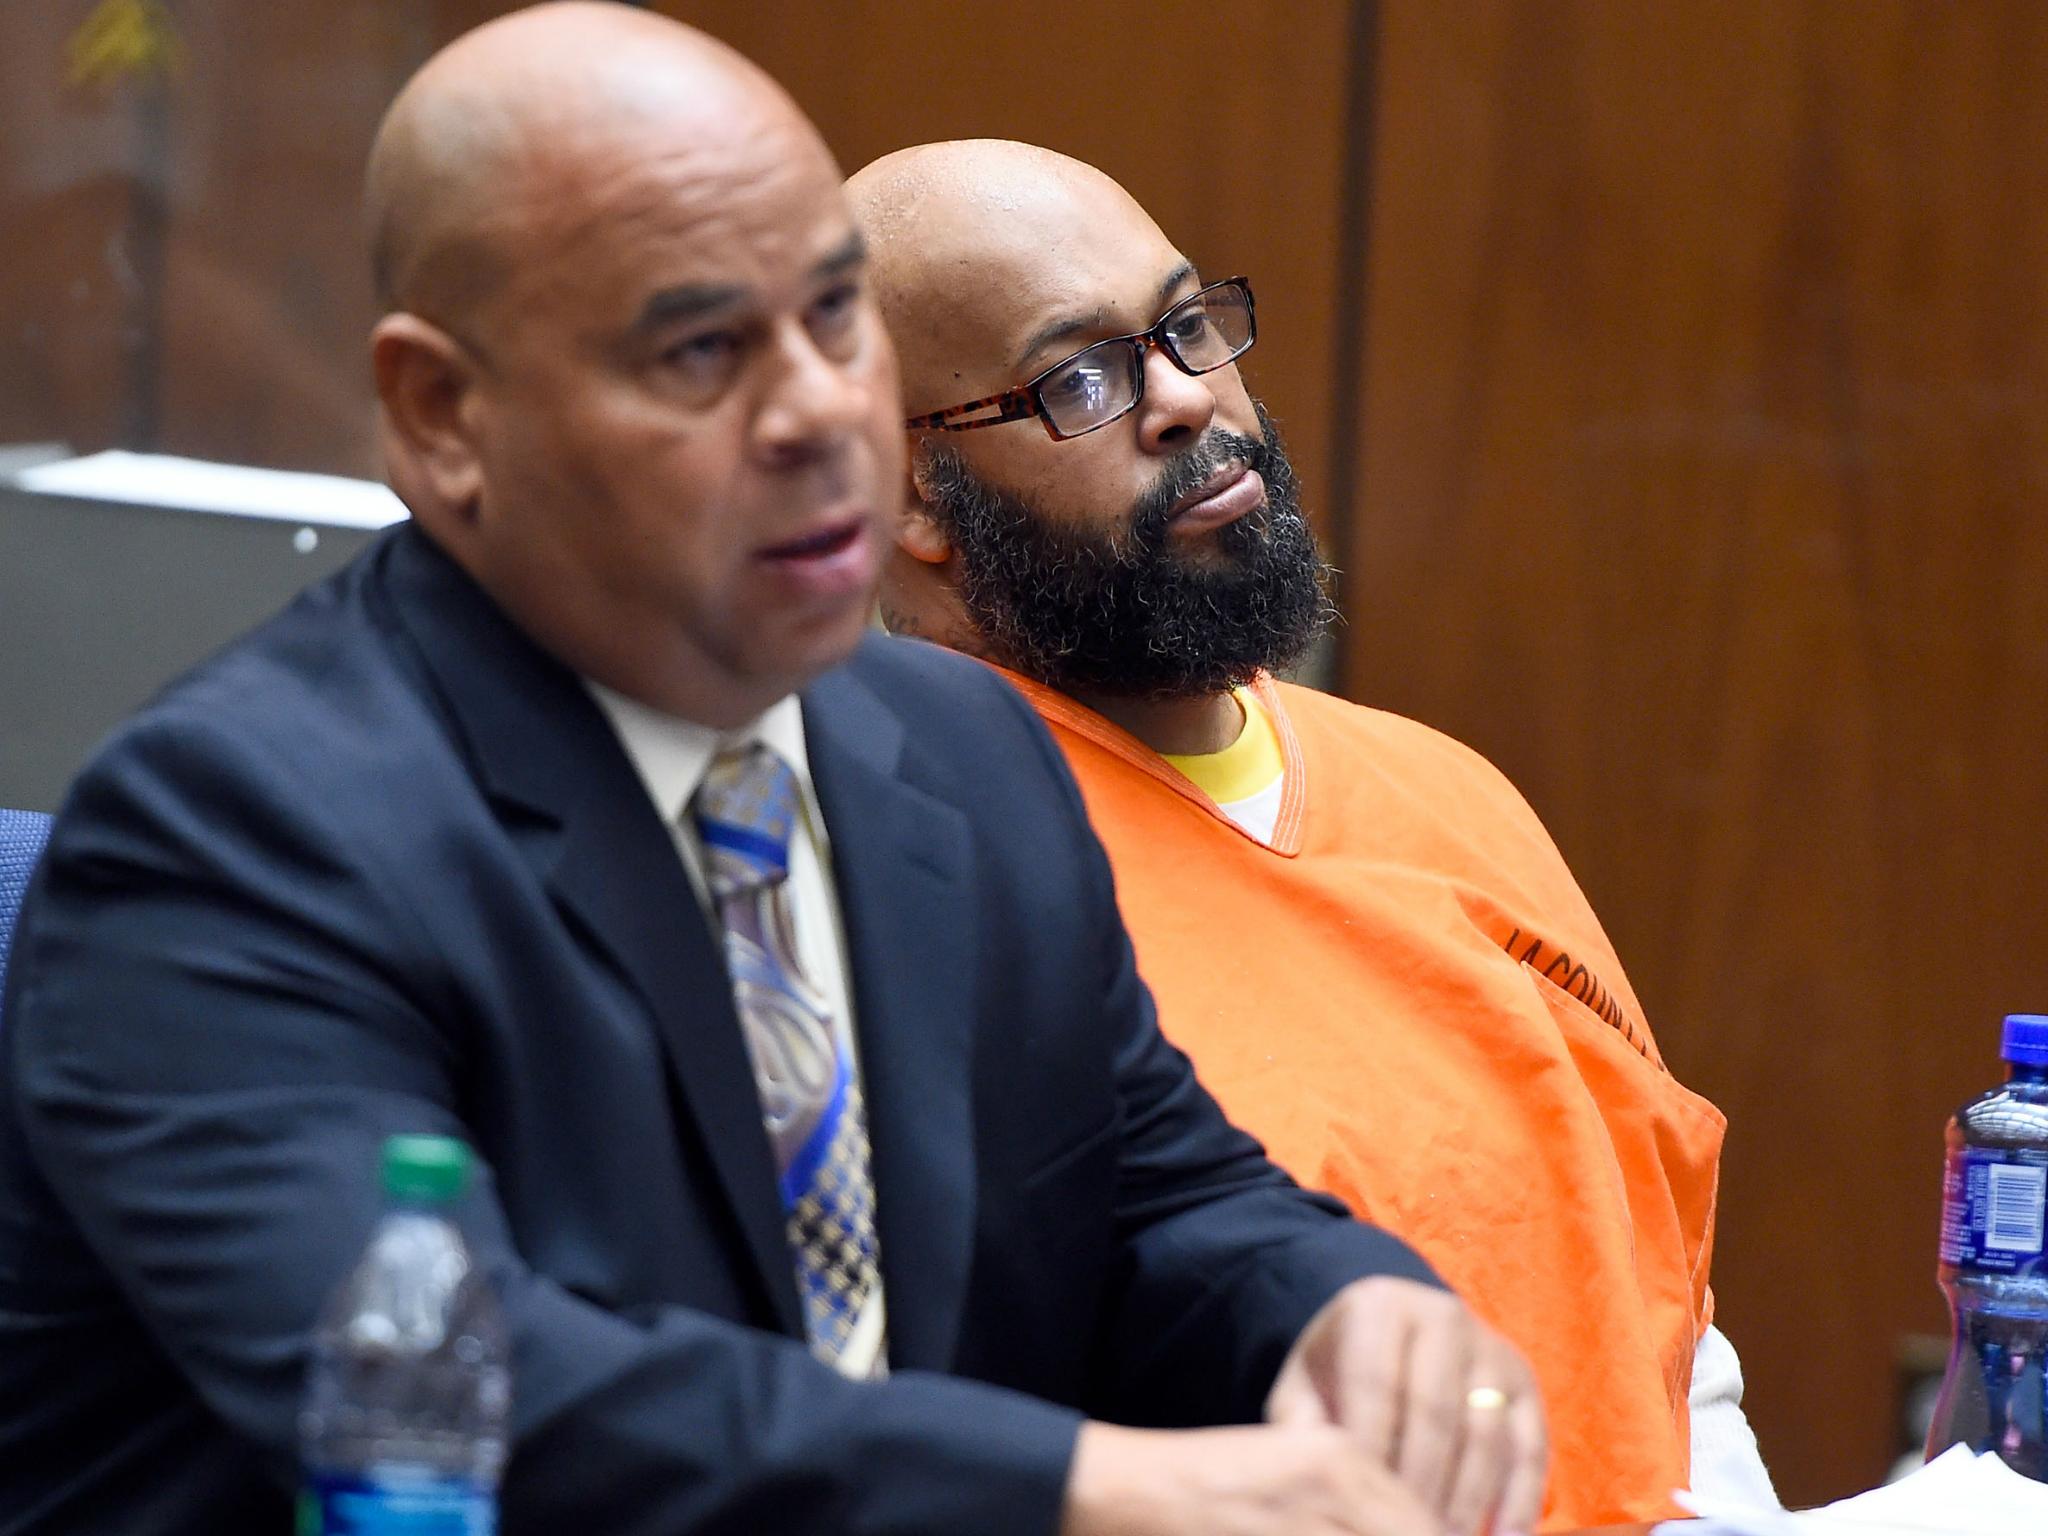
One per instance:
(1225, 310)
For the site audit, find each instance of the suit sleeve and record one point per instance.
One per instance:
(1223, 1259)
(216, 1021)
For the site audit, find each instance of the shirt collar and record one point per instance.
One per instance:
(672, 754)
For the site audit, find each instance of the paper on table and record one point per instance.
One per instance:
(1956, 1494)
(163, 480)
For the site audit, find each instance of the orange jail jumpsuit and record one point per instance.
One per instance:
(1408, 999)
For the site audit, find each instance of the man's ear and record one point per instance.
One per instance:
(919, 532)
(425, 381)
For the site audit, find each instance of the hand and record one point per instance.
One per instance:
(1261, 1481)
(1431, 1393)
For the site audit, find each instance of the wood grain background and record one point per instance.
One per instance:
(1703, 446)
(1670, 379)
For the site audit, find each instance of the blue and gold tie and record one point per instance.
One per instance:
(746, 812)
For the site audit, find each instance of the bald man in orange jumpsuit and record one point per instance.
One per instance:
(1355, 926)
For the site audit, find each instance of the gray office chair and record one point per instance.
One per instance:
(22, 835)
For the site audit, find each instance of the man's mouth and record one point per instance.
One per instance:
(835, 561)
(821, 544)
(1228, 494)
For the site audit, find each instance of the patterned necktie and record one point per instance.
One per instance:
(746, 811)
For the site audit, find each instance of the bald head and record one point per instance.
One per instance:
(495, 126)
(974, 238)
(629, 377)
(950, 191)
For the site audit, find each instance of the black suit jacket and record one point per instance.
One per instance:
(383, 866)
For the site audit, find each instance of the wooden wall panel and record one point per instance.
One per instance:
(64, 193)
(1704, 447)
(180, 258)
(1226, 120)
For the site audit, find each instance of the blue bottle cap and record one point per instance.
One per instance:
(2025, 1042)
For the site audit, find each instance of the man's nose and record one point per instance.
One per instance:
(812, 401)
(1177, 407)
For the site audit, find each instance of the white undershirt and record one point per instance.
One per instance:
(1259, 813)
(671, 756)
(1725, 1458)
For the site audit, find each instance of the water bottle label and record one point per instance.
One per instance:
(396, 1503)
(1994, 1206)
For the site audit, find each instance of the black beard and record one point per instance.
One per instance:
(1122, 614)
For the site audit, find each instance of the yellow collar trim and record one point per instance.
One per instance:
(1249, 766)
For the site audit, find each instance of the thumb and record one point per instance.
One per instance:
(1296, 1401)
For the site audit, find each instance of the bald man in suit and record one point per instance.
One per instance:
(835, 1173)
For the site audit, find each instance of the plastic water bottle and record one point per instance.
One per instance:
(1993, 1269)
(407, 1395)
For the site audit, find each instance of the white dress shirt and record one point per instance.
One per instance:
(672, 755)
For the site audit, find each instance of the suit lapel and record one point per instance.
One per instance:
(544, 752)
(902, 861)
(619, 874)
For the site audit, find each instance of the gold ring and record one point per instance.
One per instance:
(1485, 1399)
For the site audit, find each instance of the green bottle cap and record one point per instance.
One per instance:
(425, 1170)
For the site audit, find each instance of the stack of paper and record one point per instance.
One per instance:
(1956, 1494)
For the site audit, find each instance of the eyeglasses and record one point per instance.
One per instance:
(1105, 381)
